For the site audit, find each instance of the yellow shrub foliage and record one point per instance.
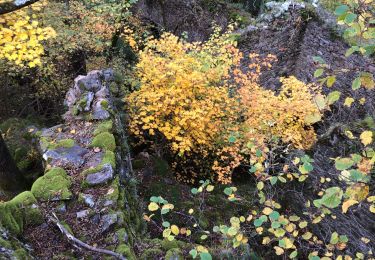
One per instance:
(21, 36)
(194, 98)
(182, 96)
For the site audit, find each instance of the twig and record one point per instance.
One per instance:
(78, 242)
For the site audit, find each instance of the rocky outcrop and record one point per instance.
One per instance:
(87, 187)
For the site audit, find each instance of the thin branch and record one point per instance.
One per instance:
(14, 5)
(79, 243)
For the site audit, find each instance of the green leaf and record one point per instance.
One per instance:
(334, 238)
(279, 232)
(331, 198)
(166, 224)
(228, 191)
(193, 253)
(343, 163)
(356, 83)
(318, 73)
(351, 50)
(330, 81)
(164, 211)
(274, 215)
(273, 180)
(293, 254)
(340, 10)
(276, 224)
(194, 191)
(232, 139)
(333, 97)
(232, 231)
(349, 18)
(258, 222)
(205, 256)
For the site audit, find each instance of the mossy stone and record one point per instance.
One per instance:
(53, 185)
(21, 211)
(103, 127)
(105, 141)
(64, 143)
(109, 157)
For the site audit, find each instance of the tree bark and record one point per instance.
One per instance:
(11, 6)
(11, 179)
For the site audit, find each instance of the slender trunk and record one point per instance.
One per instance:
(11, 179)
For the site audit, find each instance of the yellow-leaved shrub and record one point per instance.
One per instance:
(21, 36)
(213, 117)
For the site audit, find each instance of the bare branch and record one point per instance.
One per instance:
(79, 243)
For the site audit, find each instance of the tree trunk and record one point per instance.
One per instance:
(11, 179)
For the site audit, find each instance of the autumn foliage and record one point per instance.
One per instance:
(195, 99)
(21, 36)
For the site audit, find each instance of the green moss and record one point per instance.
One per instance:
(21, 254)
(109, 157)
(174, 254)
(54, 184)
(126, 251)
(167, 245)
(65, 143)
(104, 104)
(115, 195)
(122, 235)
(105, 126)
(82, 102)
(4, 243)
(152, 253)
(21, 211)
(105, 141)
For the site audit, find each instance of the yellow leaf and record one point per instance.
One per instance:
(153, 206)
(267, 211)
(278, 250)
(372, 209)
(348, 101)
(191, 211)
(366, 137)
(347, 204)
(210, 188)
(266, 240)
(175, 230)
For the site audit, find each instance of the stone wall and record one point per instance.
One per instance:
(87, 185)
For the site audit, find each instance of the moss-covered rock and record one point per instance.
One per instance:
(54, 185)
(65, 143)
(103, 127)
(105, 141)
(109, 157)
(19, 212)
